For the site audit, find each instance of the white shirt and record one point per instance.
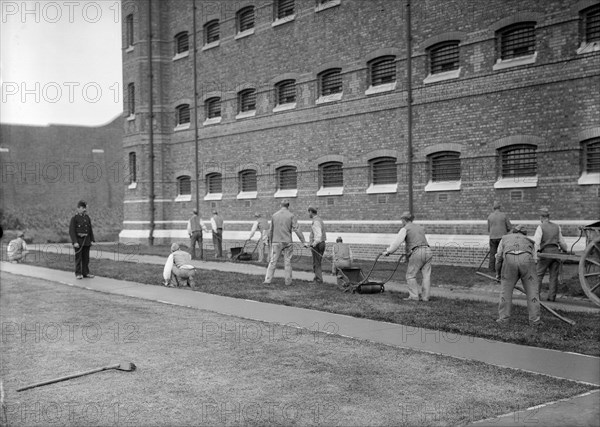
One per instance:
(189, 226)
(398, 241)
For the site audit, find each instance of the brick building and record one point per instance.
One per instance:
(307, 100)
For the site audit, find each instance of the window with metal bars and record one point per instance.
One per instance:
(284, 8)
(129, 29)
(245, 19)
(182, 42)
(444, 166)
(590, 23)
(518, 161)
(248, 180)
(183, 114)
(384, 171)
(131, 99)
(287, 178)
(211, 31)
(444, 57)
(184, 185)
(382, 70)
(213, 108)
(132, 168)
(214, 183)
(591, 155)
(517, 40)
(331, 175)
(247, 100)
(285, 92)
(330, 81)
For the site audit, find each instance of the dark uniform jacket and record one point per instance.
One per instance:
(80, 228)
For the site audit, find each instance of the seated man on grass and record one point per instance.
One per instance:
(17, 249)
(178, 267)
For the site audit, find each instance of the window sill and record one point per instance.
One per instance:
(442, 186)
(243, 34)
(329, 98)
(130, 117)
(129, 49)
(516, 62)
(245, 114)
(211, 45)
(182, 126)
(286, 193)
(284, 107)
(247, 195)
(330, 191)
(387, 87)
(181, 55)
(382, 188)
(132, 186)
(327, 5)
(212, 121)
(183, 198)
(440, 77)
(587, 47)
(517, 182)
(214, 196)
(589, 178)
(281, 21)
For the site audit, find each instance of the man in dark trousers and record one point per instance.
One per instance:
(498, 226)
(82, 237)
(316, 242)
(194, 229)
(217, 233)
(548, 238)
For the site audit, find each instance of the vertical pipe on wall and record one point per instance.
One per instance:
(195, 68)
(409, 107)
(151, 125)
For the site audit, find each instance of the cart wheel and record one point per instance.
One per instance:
(589, 271)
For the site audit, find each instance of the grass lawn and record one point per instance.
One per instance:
(451, 315)
(202, 368)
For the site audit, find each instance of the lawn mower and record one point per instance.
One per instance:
(239, 254)
(355, 281)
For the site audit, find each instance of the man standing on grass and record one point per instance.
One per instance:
(194, 229)
(82, 237)
(548, 239)
(498, 226)
(283, 222)
(316, 243)
(516, 260)
(262, 226)
(216, 223)
(419, 257)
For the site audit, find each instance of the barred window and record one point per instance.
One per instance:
(247, 100)
(129, 29)
(591, 155)
(214, 183)
(285, 92)
(382, 70)
(445, 166)
(284, 8)
(384, 171)
(247, 179)
(517, 40)
(182, 42)
(211, 31)
(590, 24)
(183, 114)
(131, 99)
(184, 185)
(287, 178)
(212, 106)
(330, 81)
(444, 57)
(132, 168)
(245, 19)
(331, 175)
(518, 161)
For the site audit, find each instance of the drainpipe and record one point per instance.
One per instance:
(151, 124)
(194, 44)
(409, 107)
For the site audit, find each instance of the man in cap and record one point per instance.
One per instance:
(316, 243)
(82, 237)
(419, 257)
(216, 223)
(498, 226)
(195, 226)
(283, 222)
(178, 267)
(262, 226)
(17, 249)
(515, 260)
(548, 239)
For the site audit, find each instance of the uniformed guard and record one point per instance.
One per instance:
(82, 237)
(516, 260)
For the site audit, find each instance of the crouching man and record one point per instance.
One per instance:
(17, 249)
(178, 267)
(516, 260)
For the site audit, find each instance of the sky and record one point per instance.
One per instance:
(60, 62)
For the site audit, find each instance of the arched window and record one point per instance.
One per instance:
(331, 175)
(245, 19)
(214, 183)
(182, 42)
(383, 171)
(444, 166)
(212, 107)
(330, 81)
(285, 92)
(287, 178)
(211, 31)
(591, 155)
(518, 160)
(183, 114)
(382, 70)
(516, 40)
(246, 100)
(444, 57)
(184, 185)
(247, 181)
